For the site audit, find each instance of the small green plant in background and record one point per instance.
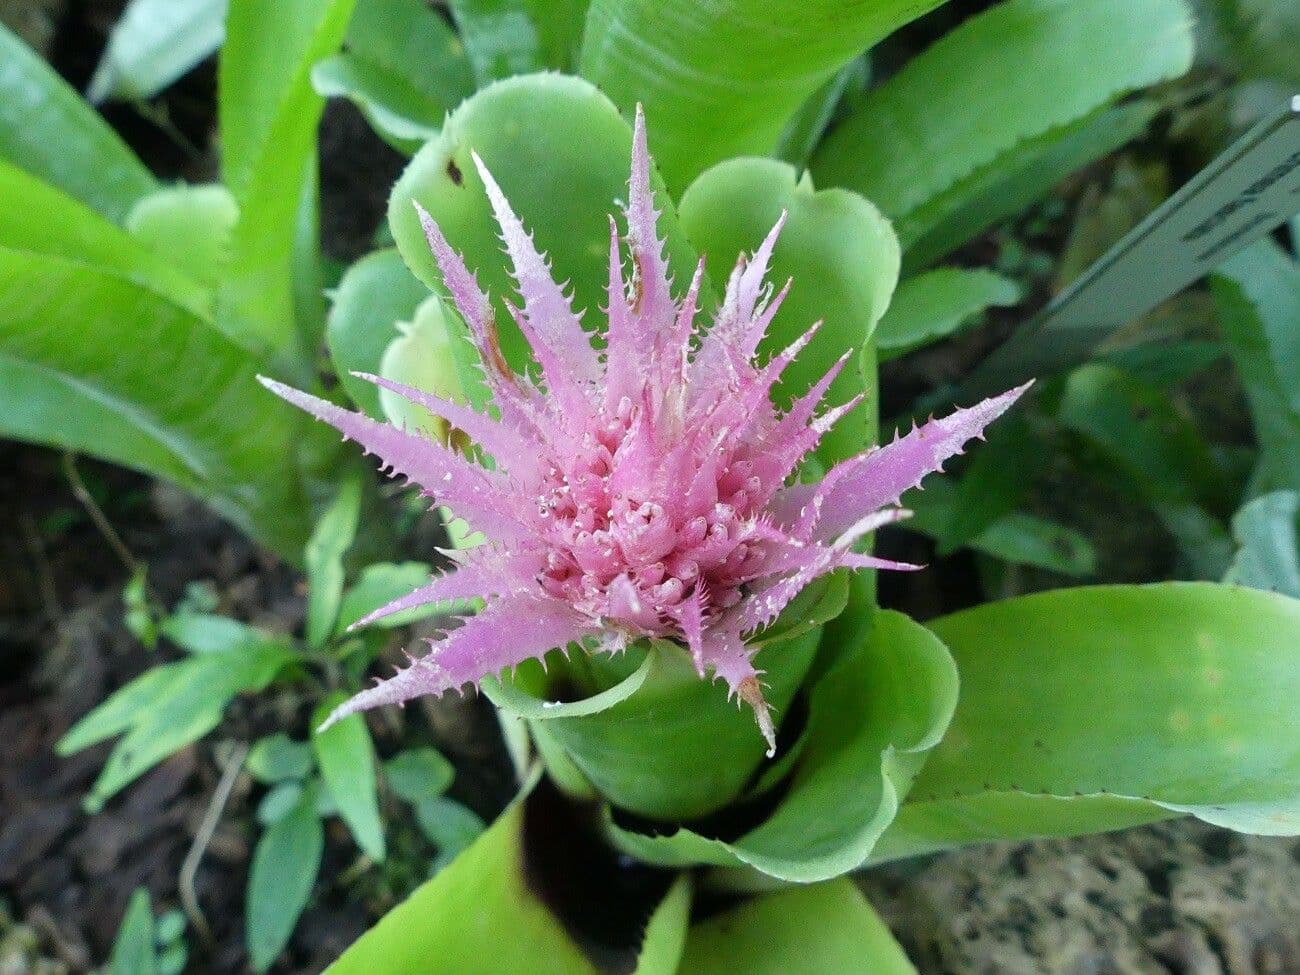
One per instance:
(146, 945)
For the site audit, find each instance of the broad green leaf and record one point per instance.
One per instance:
(279, 801)
(938, 303)
(153, 43)
(374, 295)
(1089, 709)
(278, 758)
(46, 129)
(479, 916)
(825, 929)
(723, 79)
(1164, 363)
(190, 226)
(874, 715)
(380, 584)
(41, 219)
(403, 67)
(346, 757)
(285, 864)
(206, 633)
(561, 153)
(1139, 430)
(663, 722)
(1012, 74)
(841, 254)
(329, 542)
(1257, 293)
(1268, 532)
(133, 949)
(428, 354)
(180, 406)
(511, 37)
(1015, 180)
(167, 708)
(417, 774)
(268, 114)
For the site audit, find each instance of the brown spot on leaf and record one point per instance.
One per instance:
(454, 173)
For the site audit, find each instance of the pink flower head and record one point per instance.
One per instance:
(641, 491)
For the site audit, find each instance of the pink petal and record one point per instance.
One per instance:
(509, 631)
(727, 655)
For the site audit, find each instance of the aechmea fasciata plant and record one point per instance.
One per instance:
(642, 489)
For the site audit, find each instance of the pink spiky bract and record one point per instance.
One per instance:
(641, 492)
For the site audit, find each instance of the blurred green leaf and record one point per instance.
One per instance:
(172, 959)
(723, 80)
(374, 295)
(938, 303)
(875, 714)
(403, 67)
(346, 757)
(512, 37)
(133, 949)
(268, 114)
(1257, 293)
(561, 153)
(479, 916)
(139, 615)
(1164, 363)
(279, 801)
(805, 129)
(207, 633)
(1140, 430)
(329, 542)
(1093, 708)
(46, 129)
(841, 254)
(189, 226)
(278, 757)
(450, 826)
(995, 482)
(167, 708)
(178, 407)
(41, 219)
(153, 43)
(1020, 71)
(825, 929)
(285, 864)
(1267, 531)
(429, 354)
(416, 774)
(380, 584)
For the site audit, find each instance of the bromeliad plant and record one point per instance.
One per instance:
(652, 510)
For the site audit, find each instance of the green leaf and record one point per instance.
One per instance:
(165, 709)
(722, 80)
(285, 864)
(449, 826)
(153, 43)
(934, 305)
(205, 633)
(267, 114)
(512, 37)
(1257, 293)
(189, 226)
(404, 68)
(346, 757)
(429, 354)
(277, 758)
(329, 542)
(281, 800)
(825, 929)
(806, 127)
(1139, 429)
(133, 949)
(874, 716)
(1015, 73)
(1268, 532)
(41, 219)
(374, 295)
(561, 152)
(139, 615)
(665, 934)
(380, 584)
(839, 251)
(180, 406)
(46, 129)
(1089, 709)
(478, 916)
(1162, 362)
(1017, 179)
(417, 774)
